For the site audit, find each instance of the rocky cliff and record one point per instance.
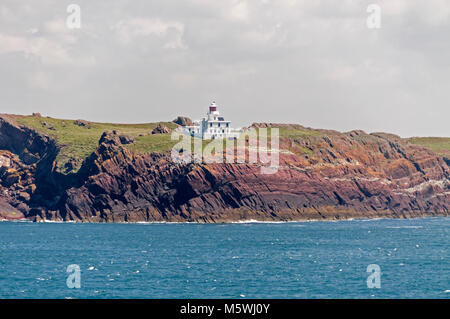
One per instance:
(322, 175)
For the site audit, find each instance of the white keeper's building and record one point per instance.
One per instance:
(213, 126)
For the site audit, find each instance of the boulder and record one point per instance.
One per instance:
(70, 165)
(30, 189)
(11, 177)
(183, 121)
(24, 196)
(126, 139)
(82, 123)
(48, 125)
(161, 129)
(8, 212)
(109, 138)
(114, 138)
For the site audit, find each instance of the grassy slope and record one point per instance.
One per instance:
(78, 142)
(440, 145)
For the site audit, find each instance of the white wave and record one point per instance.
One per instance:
(254, 221)
(56, 221)
(22, 220)
(404, 227)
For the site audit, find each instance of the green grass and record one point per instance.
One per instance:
(440, 145)
(298, 133)
(152, 143)
(78, 142)
(307, 151)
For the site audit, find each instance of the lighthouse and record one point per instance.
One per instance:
(212, 126)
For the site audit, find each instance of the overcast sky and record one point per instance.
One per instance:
(313, 62)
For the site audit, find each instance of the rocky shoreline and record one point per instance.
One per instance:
(330, 176)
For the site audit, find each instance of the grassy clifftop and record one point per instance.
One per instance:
(79, 141)
(440, 145)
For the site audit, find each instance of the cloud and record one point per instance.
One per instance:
(47, 51)
(40, 80)
(169, 31)
(5, 13)
(309, 62)
(12, 44)
(432, 12)
(56, 26)
(42, 50)
(239, 10)
(59, 31)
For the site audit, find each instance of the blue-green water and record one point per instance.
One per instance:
(286, 260)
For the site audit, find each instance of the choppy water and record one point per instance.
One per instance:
(286, 260)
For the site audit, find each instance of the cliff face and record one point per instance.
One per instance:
(329, 175)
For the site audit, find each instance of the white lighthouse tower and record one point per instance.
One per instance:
(212, 126)
(213, 113)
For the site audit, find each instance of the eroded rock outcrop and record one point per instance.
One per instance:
(183, 121)
(344, 182)
(161, 129)
(321, 176)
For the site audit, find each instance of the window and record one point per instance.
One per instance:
(228, 124)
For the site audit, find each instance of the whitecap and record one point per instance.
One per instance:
(404, 227)
(254, 221)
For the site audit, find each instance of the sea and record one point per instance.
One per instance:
(381, 258)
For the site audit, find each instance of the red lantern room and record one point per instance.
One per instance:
(213, 107)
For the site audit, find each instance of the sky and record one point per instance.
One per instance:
(314, 63)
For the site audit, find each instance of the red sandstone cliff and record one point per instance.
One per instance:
(330, 175)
